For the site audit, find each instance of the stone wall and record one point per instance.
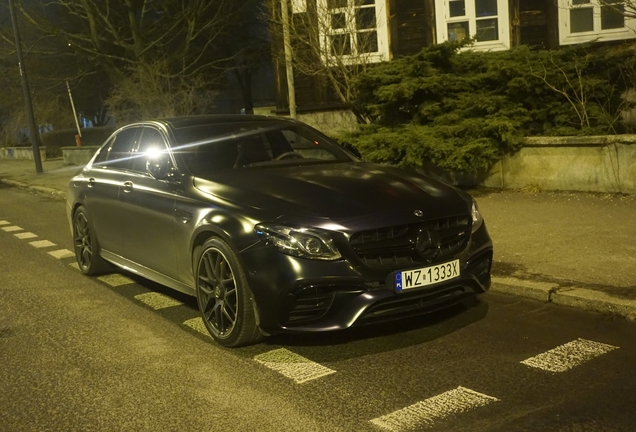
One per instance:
(74, 155)
(21, 153)
(593, 164)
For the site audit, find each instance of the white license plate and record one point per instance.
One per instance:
(426, 276)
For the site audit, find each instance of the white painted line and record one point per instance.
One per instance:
(42, 244)
(25, 235)
(293, 366)
(425, 413)
(157, 300)
(62, 253)
(4, 222)
(569, 355)
(116, 280)
(12, 228)
(75, 266)
(197, 324)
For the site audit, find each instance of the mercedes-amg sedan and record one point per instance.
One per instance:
(274, 227)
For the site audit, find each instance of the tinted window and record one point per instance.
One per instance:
(116, 154)
(211, 148)
(151, 144)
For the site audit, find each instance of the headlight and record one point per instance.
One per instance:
(301, 242)
(477, 219)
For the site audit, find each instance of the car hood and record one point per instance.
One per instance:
(338, 192)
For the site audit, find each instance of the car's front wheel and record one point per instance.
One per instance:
(224, 296)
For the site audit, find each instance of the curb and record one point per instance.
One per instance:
(580, 298)
(40, 189)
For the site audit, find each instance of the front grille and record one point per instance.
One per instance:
(397, 246)
(310, 304)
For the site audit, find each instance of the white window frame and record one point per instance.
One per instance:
(443, 18)
(597, 35)
(381, 28)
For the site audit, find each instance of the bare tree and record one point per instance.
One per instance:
(333, 40)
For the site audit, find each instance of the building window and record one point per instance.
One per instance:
(354, 31)
(594, 20)
(484, 20)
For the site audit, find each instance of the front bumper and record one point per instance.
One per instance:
(301, 295)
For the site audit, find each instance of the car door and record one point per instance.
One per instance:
(148, 208)
(103, 183)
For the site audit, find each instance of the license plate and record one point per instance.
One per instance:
(426, 276)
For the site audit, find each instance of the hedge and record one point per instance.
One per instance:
(64, 138)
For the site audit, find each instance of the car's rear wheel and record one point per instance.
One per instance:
(86, 246)
(224, 296)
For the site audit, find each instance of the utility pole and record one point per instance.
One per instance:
(291, 91)
(35, 136)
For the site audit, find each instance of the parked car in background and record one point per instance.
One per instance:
(274, 227)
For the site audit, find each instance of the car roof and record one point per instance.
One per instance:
(201, 120)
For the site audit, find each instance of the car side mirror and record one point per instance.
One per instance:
(351, 149)
(160, 168)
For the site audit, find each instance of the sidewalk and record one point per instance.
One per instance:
(573, 249)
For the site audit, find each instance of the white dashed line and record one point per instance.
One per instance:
(116, 280)
(42, 244)
(157, 300)
(569, 355)
(425, 413)
(197, 324)
(25, 235)
(293, 366)
(4, 222)
(62, 253)
(12, 228)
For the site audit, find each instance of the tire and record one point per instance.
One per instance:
(223, 295)
(86, 246)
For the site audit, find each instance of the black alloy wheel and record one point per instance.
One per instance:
(223, 295)
(86, 246)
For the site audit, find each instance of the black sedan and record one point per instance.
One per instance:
(274, 227)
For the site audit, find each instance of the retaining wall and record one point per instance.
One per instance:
(21, 153)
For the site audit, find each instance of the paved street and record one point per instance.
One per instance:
(124, 354)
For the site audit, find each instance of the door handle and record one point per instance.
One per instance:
(91, 182)
(128, 186)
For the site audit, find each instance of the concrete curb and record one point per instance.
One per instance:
(580, 298)
(41, 189)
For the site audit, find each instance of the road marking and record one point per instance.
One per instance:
(292, 365)
(4, 222)
(25, 235)
(569, 355)
(116, 280)
(75, 266)
(425, 413)
(42, 244)
(12, 228)
(197, 324)
(157, 300)
(62, 253)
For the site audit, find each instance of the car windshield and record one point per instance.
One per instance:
(218, 147)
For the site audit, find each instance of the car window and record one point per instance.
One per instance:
(217, 147)
(151, 144)
(116, 153)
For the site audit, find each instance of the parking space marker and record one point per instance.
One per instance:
(12, 228)
(42, 244)
(75, 266)
(4, 222)
(293, 365)
(25, 235)
(425, 413)
(569, 355)
(197, 324)
(116, 280)
(62, 253)
(157, 300)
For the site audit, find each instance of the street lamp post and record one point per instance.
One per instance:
(35, 136)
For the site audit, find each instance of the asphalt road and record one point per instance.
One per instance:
(81, 354)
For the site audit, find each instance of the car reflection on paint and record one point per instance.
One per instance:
(274, 227)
